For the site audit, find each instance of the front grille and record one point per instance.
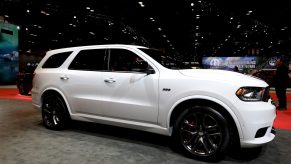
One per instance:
(266, 94)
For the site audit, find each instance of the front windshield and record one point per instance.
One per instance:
(165, 60)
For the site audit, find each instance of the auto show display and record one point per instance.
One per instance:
(205, 111)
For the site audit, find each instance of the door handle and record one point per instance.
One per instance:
(64, 78)
(109, 81)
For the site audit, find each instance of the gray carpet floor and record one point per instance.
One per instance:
(23, 140)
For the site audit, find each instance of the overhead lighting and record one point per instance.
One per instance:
(33, 35)
(152, 19)
(141, 4)
(164, 35)
(192, 4)
(160, 29)
(26, 29)
(92, 33)
(28, 11)
(231, 18)
(6, 16)
(197, 27)
(18, 27)
(168, 41)
(238, 26)
(75, 17)
(45, 13)
(88, 8)
(92, 10)
(197, 16)
(249, 12)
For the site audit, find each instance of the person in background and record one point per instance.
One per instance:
(280, 84)
(235, 69)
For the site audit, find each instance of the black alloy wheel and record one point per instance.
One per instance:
(201, 133)
(54, 112)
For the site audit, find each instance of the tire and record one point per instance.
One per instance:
(55, 115)
(202, 133)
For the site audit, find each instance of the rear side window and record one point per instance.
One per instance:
(89, 60)
(56, 60)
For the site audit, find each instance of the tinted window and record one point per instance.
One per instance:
(56, 60)
(123, 60)
(90, 60)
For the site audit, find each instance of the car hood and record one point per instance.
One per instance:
(224, 76)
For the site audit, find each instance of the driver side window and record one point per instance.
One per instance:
(122, 60)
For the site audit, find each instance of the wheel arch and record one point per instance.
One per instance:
(49, 91)
(211, 102)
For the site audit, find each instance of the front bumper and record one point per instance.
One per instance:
(256, 120)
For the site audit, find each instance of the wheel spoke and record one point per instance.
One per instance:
(210, 142)
(193, 135)
(205, 146)
(189, 132)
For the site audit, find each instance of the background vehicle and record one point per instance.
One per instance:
(24, 79)
(268, 76)
(205, 111)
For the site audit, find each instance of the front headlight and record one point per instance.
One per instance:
(250, 93)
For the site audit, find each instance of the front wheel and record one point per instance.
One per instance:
(202, 133)
(54, 112)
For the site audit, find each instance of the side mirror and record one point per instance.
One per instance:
(142, 66)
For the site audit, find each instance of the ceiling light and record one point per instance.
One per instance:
(92, 10)
(160, 29)
(168, 41)
(6, 16)
(33, 35)
(92, 33)
(231, 18)
(141, 4)
(18, 27)
(192, 4)
(75, 17)
(238, 26)
(249, 12)
(88, 8)
(164, 36)
(26, 29)
(27, 11)
(45, 13)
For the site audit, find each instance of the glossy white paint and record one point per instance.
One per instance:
(145, 102)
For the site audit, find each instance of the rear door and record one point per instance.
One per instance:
(83, 80)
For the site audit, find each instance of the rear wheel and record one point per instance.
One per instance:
(54, 112)
(201, 133)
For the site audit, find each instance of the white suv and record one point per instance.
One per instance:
(136, 87)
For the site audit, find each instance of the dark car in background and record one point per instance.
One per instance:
(268, 76)
(24, 79)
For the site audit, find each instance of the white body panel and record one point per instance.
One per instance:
(145, 102)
